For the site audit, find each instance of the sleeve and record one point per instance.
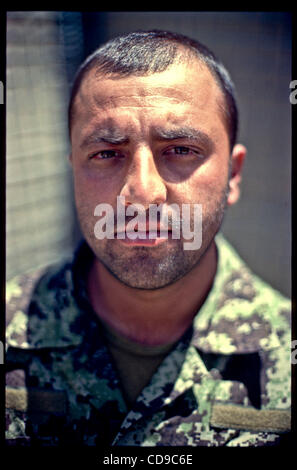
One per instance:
(16, 409)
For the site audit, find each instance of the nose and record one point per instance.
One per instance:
(143, 183)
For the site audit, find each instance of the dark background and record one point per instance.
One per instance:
(43, 51)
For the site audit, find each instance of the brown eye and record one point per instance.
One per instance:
(106, 154)
(183, 150)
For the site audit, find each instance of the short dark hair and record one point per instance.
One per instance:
(147, 52)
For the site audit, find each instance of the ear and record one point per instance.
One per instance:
(237, 159)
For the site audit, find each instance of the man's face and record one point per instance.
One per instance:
(153, 139)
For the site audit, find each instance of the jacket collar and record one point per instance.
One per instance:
(233, 318)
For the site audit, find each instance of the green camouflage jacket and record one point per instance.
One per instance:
(226, 383)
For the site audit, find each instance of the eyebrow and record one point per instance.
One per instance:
(110, 135)
(184, 132)
(113, 135)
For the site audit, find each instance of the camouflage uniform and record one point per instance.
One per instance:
(226, 383)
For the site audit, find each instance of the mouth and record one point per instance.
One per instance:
(144, 237)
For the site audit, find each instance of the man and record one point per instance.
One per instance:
(139, 340)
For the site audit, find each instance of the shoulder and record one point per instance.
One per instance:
(255, 317)
(33, 296)
(19, 292)
(242, 313)
(242, 289)
(35, 304)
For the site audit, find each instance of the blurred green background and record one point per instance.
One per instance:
(44, 50)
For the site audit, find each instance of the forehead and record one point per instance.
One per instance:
(178, 91)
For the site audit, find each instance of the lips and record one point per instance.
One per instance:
(145, 237)
(144, 233)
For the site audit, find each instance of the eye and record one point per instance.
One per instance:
(106, 154)
(183, 150)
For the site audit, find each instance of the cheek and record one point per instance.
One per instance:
(208, 183)
(92, 187)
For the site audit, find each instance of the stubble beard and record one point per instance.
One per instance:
(151, 268)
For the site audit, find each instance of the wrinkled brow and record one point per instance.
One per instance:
(184, 132)
(111, 135)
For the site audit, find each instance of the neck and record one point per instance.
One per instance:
(151, 317)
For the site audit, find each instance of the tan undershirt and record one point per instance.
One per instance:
(136, 363)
